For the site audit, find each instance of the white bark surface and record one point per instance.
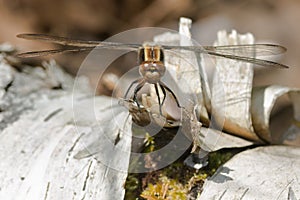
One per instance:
(39, 138)
(232, 87)
(264, 100)
(231, 100)
(262, 173)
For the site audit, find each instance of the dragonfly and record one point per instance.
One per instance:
(151, 57)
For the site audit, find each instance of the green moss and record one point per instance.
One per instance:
(149, 143)
(132, 187)
(175, 181)
(166, 188)
(216, 159)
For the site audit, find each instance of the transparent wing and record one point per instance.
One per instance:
(76, 43)
(247, 50)
(51, 52)
(245, 53)
(73, 45)
(265, 63)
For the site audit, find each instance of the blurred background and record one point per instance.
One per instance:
(274, 21)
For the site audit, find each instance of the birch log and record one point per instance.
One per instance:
(262, 173)
(39, 137)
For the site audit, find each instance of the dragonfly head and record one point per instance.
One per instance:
(151, 52)
(151, 62)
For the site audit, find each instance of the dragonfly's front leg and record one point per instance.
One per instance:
(130, 86)
(164, 93)
(158, 97)
(141, 83)
(169, 90)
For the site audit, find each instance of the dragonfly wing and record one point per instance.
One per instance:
(244, 53)
(247, 50)
(58, 40)
(50, 52)
(265, 63)
(250, 50)
(31, 54)
(77, 43)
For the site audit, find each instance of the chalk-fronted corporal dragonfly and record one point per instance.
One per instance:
(151, 57)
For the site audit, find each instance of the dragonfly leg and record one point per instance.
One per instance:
(137, 89)
(158, 97)
(134, 82)
(169, 90)
(164, 93)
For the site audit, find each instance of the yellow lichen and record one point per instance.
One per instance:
(165, 189)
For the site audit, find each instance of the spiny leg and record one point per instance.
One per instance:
(169, 90)
(134, 82)
(137, 89)
(158, 97)
(164, 93)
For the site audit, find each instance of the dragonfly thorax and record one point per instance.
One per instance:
(151, 63)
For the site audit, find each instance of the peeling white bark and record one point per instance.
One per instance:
(261, 173)
(39, 138)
